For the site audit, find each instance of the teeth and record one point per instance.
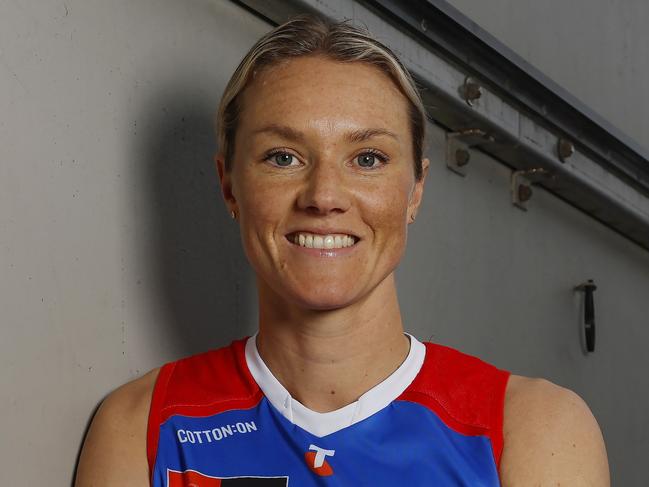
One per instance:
(310, 240)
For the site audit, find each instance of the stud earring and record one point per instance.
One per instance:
(412, 217)
(233, 215)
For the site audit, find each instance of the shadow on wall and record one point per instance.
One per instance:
(202, 279)
(202, 283)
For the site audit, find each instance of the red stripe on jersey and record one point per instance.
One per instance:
(153, 429)
(463, 391)
(201, 385)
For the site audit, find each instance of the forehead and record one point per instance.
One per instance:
(326, 95)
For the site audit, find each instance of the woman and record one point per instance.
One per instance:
(320, 134)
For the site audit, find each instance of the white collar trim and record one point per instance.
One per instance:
(322, 424)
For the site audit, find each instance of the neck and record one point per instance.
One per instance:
(328, 359)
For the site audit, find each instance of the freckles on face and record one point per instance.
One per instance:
(323, 117)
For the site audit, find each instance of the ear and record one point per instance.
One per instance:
(418, 191)
(226, 182)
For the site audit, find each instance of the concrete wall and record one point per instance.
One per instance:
(116, 253)
(597, 49)
(487, 278)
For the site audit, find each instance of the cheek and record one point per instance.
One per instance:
(258, 198)
(262, 209)
(386, 208)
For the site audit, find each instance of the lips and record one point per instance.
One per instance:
(319, 241)
(323, 232)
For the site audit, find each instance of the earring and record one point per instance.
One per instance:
(233, 215)
(412, 217)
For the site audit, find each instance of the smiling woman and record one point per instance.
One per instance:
(321, 138)
(339, 163)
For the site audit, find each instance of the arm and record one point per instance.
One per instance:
(550, 438)
(114, 451)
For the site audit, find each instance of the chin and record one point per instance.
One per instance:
(325, 301)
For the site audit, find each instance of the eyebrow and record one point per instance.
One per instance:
(353, 136)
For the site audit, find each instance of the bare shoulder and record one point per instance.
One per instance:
(550, 437)
(114, 451)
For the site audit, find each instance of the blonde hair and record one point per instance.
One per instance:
(305, 35)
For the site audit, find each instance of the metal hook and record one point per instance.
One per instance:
(589, 313)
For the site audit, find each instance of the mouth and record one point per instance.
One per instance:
(322, 241)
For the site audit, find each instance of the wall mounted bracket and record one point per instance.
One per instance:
(458, 145)
(522, 184)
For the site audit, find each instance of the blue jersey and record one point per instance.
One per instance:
(221, 418)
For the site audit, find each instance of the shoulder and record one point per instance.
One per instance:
(114, 451)
(550, 437)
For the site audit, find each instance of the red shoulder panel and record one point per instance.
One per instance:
(467, 393)
(201, 385)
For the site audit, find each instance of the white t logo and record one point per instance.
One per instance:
(320, 455)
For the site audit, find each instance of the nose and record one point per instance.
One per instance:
(324, 190)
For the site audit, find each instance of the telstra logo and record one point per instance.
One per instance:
(315, 459)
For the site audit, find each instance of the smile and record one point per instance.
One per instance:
(323, 241)
(317, 241)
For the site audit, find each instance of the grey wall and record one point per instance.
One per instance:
(597, 49)
(487, 278)
(116, 253)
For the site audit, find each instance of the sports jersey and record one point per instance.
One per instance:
(221, 418)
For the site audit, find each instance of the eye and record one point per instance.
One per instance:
(281, 158)
(369, 159)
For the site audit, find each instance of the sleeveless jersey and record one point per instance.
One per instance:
(221, 418)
